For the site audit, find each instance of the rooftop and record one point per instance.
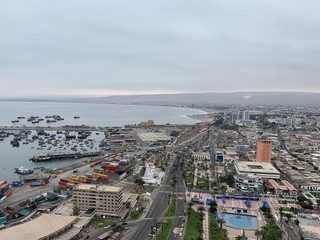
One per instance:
(154, 136)
(43, 226)
(256, 167)
(101, 188)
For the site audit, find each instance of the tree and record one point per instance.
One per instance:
(213, 206)
(139, 181)
(225, 232)
(258, 234)
(221, 221)
(201, 208)
(189, 209)
(76, 210)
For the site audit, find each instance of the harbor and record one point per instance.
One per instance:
(38, 147)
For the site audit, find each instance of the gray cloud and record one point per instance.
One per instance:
(110, 47)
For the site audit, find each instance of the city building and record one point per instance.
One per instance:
(105, 200)
(284, 187)
(264, 150)
(148, 123)
(239, 116)
(248, 183)
(201, 156)
(260, 169)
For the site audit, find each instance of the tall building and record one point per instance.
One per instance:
(264, 150)
(246, 115)
(104, 199)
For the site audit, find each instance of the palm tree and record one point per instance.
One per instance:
(221, 221)
(258, 234)
(225, 232)
(201, 209)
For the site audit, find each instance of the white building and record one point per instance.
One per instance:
(153, 176)
(248, 183)
(260, 169)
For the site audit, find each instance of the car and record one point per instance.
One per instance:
(180, 234)
(86, 231)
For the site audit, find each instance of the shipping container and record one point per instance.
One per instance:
(3, 182)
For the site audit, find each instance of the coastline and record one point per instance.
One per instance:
(204, 117)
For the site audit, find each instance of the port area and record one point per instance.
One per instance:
(25, 192)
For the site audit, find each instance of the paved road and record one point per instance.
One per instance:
(158, 207)
(181, 205)
(291, 231)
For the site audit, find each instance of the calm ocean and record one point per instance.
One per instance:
(104, 115)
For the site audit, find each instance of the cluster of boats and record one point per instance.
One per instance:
(53, 140)
(36, 119)
(17, 137)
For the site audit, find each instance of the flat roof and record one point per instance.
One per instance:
(256, 167)
(154, 136)
(102, 188)
(38, 228)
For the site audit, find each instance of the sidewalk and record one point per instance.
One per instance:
(206, 225)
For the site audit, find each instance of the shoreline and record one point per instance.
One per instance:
(202, 118)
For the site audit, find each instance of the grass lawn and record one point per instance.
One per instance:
(171, 212)
(101, 223)
(165, 229)
(315, 194)
(214, 230)
(189, 181)
(202, 183)
(167, 224)
(135, 215)
(194, 226)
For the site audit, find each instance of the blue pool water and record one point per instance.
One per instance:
(245, 222)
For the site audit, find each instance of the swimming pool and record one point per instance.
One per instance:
(246, 222)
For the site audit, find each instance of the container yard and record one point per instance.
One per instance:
(99, 172)
(4, 191)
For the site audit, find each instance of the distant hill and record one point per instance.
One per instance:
(233, 98)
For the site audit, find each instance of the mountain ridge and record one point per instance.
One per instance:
(209, 98)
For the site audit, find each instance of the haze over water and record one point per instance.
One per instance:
(104, 115)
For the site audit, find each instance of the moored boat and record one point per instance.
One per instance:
(22, 170)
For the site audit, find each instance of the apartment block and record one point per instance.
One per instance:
(104, 199)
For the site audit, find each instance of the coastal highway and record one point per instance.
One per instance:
(158, 206)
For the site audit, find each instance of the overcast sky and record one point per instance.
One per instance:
(104, 47)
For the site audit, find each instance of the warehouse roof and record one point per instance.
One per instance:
(154, 136)
(39, 228)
